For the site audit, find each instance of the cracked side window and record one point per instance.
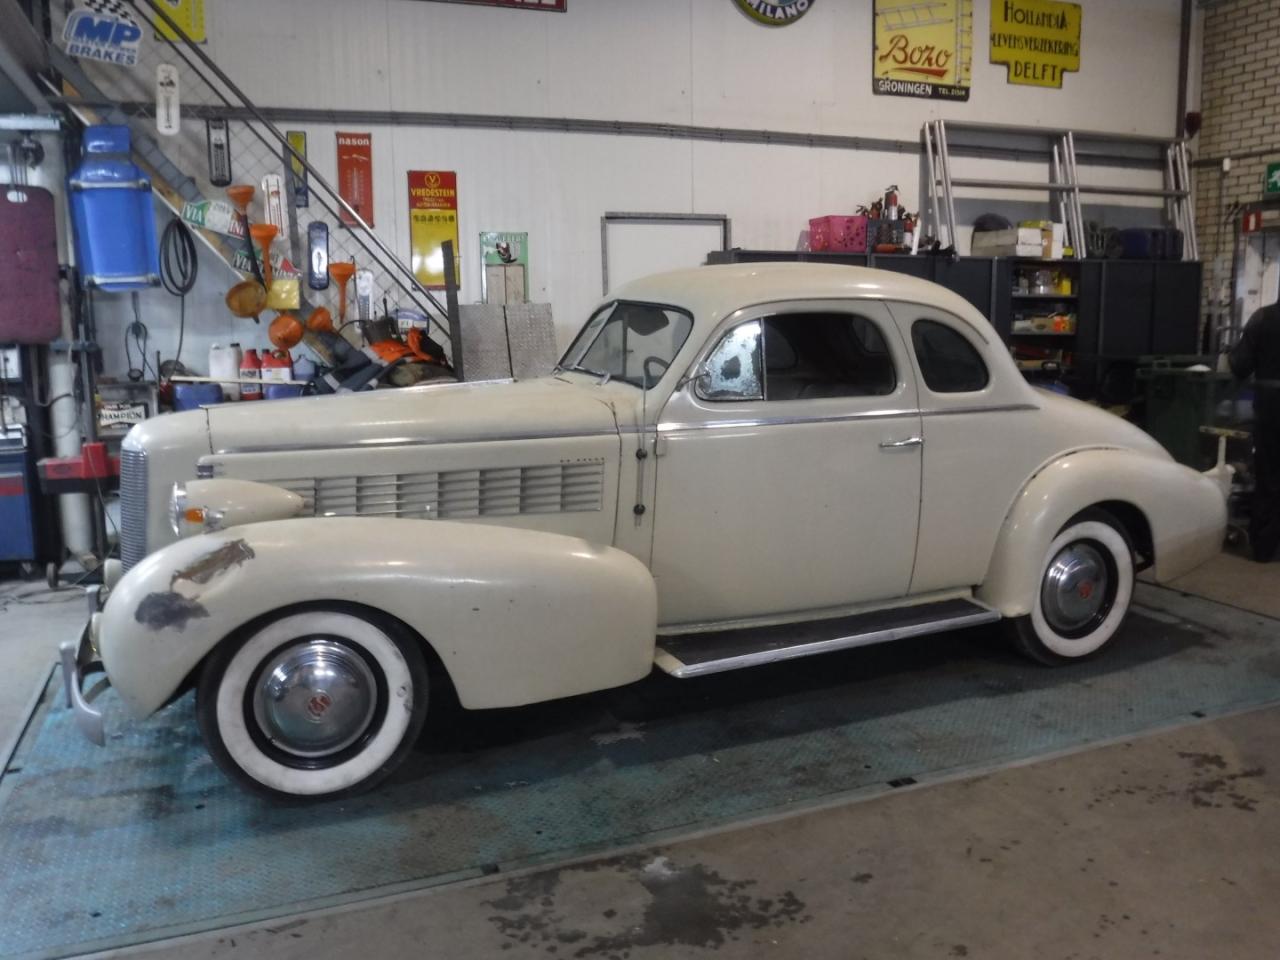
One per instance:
(734, 370)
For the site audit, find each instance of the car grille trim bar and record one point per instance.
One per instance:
(133, 505)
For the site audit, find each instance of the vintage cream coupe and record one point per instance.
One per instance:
(731, 466)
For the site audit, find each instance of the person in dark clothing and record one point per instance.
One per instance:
(1258, 354)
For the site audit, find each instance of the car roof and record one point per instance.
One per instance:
(713, 292)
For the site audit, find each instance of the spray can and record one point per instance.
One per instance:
(251, 369)
(224, 364)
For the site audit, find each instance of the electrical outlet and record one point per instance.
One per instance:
(10, 364)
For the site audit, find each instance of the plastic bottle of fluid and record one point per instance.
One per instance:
(224, 364)
(277, 367)
(251, 369)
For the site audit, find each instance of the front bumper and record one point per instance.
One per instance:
(79, 660)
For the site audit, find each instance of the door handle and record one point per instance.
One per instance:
(899, 444)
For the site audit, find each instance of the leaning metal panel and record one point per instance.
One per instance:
(105, 847)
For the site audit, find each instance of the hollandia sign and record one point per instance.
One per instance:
(775, 14)
(1038, 40)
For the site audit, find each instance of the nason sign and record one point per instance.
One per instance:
(776, 14)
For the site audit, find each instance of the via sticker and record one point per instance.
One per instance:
(102, 30)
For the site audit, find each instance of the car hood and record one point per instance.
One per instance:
(432, 413)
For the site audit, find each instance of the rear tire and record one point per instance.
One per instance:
(1083, 592)
(316, 704)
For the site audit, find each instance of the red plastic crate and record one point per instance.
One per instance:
(837, 234)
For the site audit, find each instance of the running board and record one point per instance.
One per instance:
(698, 654)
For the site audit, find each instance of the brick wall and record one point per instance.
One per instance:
(1240, 101)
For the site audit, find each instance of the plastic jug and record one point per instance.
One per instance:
(251, 369)
(224, 365)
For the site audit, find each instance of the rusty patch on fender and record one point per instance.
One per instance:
(211, 564)
(161, 610)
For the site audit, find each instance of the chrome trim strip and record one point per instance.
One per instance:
(401, 442)
(777, 421)
(998, 408)
(686, 671)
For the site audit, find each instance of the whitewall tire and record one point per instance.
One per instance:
(315, 704)
(1083, 591)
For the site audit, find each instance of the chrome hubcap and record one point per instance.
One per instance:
(315, 698)
(1076, 587)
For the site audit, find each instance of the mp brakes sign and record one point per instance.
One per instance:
(778, 13)
(102, 31)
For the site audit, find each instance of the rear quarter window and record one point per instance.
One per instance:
(948, 362)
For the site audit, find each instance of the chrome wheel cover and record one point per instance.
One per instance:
(315, 697)
(1077, 589)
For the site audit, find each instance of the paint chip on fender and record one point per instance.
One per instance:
(211, 564)
(161, 610)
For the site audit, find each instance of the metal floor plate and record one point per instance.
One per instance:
(144, 839)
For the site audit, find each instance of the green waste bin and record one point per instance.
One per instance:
(1179, 401)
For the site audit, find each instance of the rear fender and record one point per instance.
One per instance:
(1184, 509)
(516, 616)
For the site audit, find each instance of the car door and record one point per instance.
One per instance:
(980, 443)
(788, 475)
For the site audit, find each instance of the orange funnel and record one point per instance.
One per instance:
(342, 271)
(240, 195)
(285, 331)
(320, 320)
(263, 234)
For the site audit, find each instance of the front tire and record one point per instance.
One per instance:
(315, 704)
(1084, 591)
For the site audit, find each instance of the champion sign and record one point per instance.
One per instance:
(775, 14)
(95, 36)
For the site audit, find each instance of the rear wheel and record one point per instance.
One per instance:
(318, 703)
(1085, 588)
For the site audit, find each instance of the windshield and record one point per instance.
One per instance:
(633, 342)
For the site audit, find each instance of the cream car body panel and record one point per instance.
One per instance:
(1187, 518)
(515, 616)
(519, 527)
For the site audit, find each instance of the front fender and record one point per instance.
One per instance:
(1184, 509)
(516, 616)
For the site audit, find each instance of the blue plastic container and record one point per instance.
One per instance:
(112, 215)
(190, 396)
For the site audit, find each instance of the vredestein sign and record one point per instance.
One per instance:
(775, 14)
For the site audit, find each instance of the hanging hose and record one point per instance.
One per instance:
(179, 268)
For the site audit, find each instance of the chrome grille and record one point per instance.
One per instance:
(133, 506)
(576, 487)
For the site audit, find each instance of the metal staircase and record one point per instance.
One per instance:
(1065, 189)
(101, 94)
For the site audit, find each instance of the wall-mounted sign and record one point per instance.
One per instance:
(433, 219)
(1271, 181)
(1037, 40)
(505, 257)
(102, 30)
(355, 175)
(297, 172)
(775, 13)
(187, 14)
(923, 48)
(556, 6)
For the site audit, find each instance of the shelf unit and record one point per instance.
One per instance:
(1063, 149)
(1049, 352)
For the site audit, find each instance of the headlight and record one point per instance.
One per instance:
(201, 506)
(187, 518)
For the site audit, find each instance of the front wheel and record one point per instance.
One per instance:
(1085, 588)
(314, 704)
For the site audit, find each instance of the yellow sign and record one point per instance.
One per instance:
(188, 14)
(433, 219)
(1037, 40)
(924, 48)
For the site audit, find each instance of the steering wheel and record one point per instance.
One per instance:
(649, 379)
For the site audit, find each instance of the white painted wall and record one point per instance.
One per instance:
(678, 61)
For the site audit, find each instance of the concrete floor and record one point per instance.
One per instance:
(1167, 846)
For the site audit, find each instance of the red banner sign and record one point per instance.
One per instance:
(355, 175)
(554, 5)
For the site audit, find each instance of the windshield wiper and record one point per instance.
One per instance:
(579, 368)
